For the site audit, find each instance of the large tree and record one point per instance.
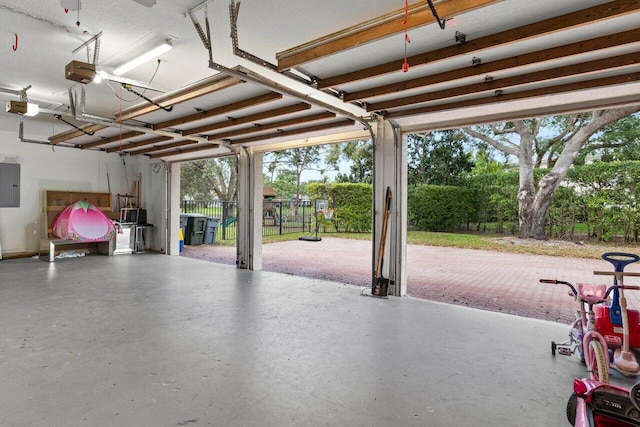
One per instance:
(208, 179)
(524, 140)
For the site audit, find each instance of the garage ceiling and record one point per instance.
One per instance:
(308, 71)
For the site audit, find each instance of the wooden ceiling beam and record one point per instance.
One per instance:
(106, 141)
(598, 43)
(65, 136)
(224, 109)
(136, 144)
(200, 147)
(377, 28)
(186, 94)
(501, 84)
(162, 147)
(274, 125)
(537, 29)
(551, 90)
(233, 121)
(291, 132)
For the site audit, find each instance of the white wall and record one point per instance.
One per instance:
(46, 168)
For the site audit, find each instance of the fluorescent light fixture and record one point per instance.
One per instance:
(165, 46)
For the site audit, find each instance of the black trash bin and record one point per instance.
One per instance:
(211, 230)
(194, 229)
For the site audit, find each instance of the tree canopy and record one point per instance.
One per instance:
(440, 158)
(359, 154)
(618, 141)
(210, 178)
(296, 161)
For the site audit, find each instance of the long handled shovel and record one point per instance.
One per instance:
(381, 284)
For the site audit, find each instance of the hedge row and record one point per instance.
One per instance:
(440, 207)
(603, 196)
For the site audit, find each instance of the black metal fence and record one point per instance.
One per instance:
(278, 216)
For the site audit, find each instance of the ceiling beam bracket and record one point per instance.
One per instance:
(205, 37)
(441, 22)
(23, 139)
(96, 48)
(234, 11)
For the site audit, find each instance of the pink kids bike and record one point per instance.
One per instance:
(584, 338)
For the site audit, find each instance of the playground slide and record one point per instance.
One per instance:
(229, 221)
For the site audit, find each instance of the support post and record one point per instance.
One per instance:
(390, 171)
(249, 242)
(172, 217)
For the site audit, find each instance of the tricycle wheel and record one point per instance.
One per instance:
(553, 348)
(572, 405)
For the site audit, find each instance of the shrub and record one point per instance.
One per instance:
(351, 204)
(440, 207)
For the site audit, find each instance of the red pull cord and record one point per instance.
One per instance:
(407, 40)
(15, 46)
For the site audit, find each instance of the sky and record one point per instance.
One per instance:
(344, 167)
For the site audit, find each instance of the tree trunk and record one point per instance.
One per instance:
(526, 190)
(539, 214)
(532, 223)
(527, 217)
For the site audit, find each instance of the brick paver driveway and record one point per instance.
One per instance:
(496, 281)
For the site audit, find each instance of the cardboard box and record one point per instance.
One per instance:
(81, 72)
(17, 107)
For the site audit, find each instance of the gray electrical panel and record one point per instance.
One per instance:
(9, 185)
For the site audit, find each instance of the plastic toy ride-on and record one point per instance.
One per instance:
(594, 404)
(603, 333)
(620, 326)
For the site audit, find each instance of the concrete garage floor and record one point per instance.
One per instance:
(489, 280)
(152, 340)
